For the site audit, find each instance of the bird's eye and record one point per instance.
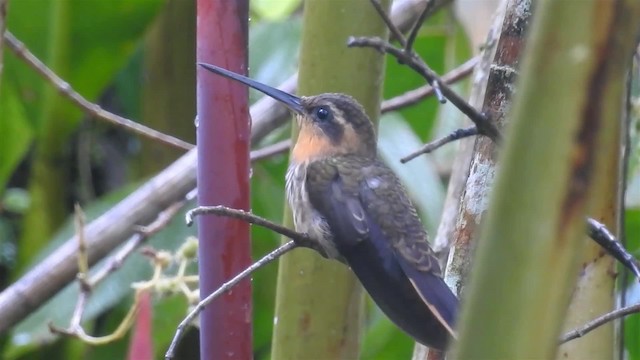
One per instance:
(322, 113)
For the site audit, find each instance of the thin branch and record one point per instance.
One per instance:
(120, 331)
(600, 234)
(87, 284)
(79, 218)
(408, 44)
(416, 27)
(283, 249)
(429, 147)
(300, 239)
(144, 232)
(482, 122)
(414, 96)
(597, 322)
(21, 51)
(395, 32)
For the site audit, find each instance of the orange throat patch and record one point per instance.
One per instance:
(311, 144)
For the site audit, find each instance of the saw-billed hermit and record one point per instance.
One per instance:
(357, 210)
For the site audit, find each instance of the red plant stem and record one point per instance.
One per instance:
(223, 136)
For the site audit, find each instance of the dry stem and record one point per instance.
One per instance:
(283, 249)
(87, 284)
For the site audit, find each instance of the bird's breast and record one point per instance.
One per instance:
(305, 218)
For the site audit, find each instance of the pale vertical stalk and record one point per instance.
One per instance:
(507, 38)
(493, 84)
(319, 312)
(567, 107)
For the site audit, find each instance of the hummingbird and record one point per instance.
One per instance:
(345, 198)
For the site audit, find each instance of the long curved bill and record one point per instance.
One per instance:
(291, 101)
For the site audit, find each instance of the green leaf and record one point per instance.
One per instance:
(86, 42)
(13, 121)
(102, 34)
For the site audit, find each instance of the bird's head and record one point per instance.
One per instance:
(329, 124)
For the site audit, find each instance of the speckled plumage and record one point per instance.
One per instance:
(305, 218)
(374, 227)
(369, 185)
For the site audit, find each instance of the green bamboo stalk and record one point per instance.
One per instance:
(594, 291)
(567, 107)
(319, 312)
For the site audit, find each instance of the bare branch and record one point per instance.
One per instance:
(484, 125)
(395, 32)
(429, 147)
(21, 51)
(597, 322)
(144, 232)
(83, 265)
(416, 27)
(87, 284)
(414, 96)
(283, 249)
(300, 239)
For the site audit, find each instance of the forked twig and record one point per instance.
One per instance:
(429, 147)
(300, 239)
(413, 34)
(283, 249)
(599, 321)
(87, 284)
(482, 122)
(414, 96)
(395, 32)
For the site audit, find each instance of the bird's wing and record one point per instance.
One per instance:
(371, 205)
